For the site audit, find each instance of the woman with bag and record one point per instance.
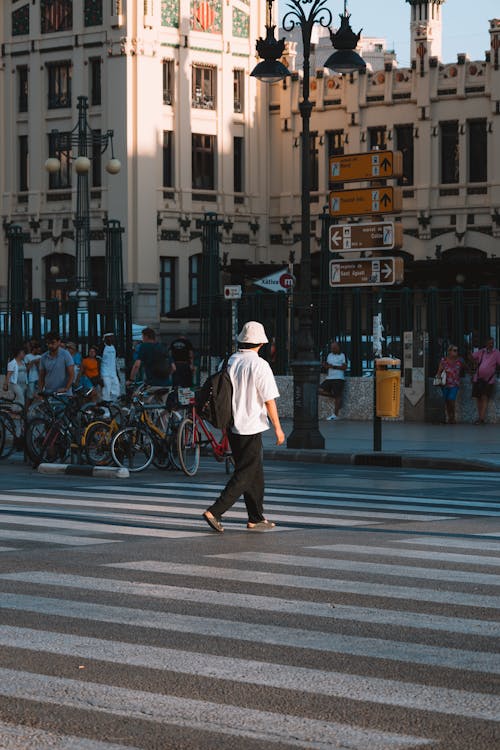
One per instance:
(448, 375)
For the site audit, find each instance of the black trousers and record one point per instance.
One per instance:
(247, 479)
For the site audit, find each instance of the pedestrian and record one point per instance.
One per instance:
(109, 374)
(72, 348)
(11, 382)
(333, 385)
(182, 353)
(486, 362)
(453, 366)
(32, 362)
(253, 402)
(152, 356)
(90, 378)
(56, 368)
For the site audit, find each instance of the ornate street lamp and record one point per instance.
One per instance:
(306, 366)
(88, 143)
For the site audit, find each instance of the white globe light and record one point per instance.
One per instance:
(82, 164)
(113, 166)
(52, 165)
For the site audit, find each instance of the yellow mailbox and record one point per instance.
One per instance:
(388, 386)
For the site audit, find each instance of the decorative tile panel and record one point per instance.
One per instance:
(92, 13)
(170, 13)
(21, 21)
(206, 15)
(56, 15)
(241, 23)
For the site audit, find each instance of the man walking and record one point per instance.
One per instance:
(153, 358)
(56, 370)
(254, 394)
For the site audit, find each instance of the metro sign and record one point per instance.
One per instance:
(366, 272)
(366, 166)
(377, 235)
(376, 200)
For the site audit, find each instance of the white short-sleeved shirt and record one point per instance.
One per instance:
(108, 361)
(33, 370)
(337, 360)
(13, 368)
(253, 384)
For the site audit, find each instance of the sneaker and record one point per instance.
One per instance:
(332, 416)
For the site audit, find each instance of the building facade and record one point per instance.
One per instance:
(195, 133)
(171, 79)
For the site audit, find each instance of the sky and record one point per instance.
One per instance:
(465, 24)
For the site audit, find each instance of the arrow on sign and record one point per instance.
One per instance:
(385, 164)
(385, 199)
(336, 239)
(386, 270)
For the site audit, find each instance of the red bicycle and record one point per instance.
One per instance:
(193, 433)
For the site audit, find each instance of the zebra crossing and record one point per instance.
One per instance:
(255, 648)
(98, 515)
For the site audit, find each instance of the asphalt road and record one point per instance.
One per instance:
(368, 619)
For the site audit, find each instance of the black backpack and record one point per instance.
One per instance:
(214, 401)
(159, 365)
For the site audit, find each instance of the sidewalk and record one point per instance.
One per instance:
(405, 444)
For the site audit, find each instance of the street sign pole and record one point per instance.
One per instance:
(234, 322)
(377, 353)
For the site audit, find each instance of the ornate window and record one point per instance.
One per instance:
(238, 90)
(204, 87)
(168, 158)
(478, 151)
(62, 179)
(168, 81)
(450, 152)
(92, 13)
(21, 21)
(167, 285)
(203, 161)
(56, 15)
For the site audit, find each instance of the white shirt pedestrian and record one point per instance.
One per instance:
(109, 375)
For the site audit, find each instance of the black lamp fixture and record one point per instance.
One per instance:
(304, 14)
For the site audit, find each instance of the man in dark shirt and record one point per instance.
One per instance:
(181, 351)
(153, 358)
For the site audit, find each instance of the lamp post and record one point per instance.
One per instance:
(89, 144)
(306, 366)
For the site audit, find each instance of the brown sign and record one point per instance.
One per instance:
(376, 200)
(374, 165)
(378, 235)
(366, 272)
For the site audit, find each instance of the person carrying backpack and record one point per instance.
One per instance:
(153, 357)
(253, 402)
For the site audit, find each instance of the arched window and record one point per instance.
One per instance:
(56, 15)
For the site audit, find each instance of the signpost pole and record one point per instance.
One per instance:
(377, 353)
(234, 322)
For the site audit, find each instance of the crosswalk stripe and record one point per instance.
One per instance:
(356, 566)
(314, 583)
(8, 549)
(186, 500)
(354, 613)
(109, 528)
(313, 505)
(33, 738)
(267, 674)
(447, 541)
(163, 509)
(413, 553)
(375, 648)
(55, 538)
(205, 716)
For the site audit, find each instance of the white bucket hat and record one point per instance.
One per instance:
(253, 333)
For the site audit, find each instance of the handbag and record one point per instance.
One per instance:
(440, 380)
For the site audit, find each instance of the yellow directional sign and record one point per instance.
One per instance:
(377, 235)
(366, 272)
(376, 200)
(374, 165)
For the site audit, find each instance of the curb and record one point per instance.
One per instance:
(388, 460)
(106, 472)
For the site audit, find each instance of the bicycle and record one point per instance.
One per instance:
(12, 426)
(53, 439)
(192, 434)
(151, 439)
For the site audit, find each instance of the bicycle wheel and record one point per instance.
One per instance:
(188, 447)
(97, 443)
(132, 448)
(9, 435)
(45, 442)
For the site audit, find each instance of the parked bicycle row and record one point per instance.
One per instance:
(147, 425)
